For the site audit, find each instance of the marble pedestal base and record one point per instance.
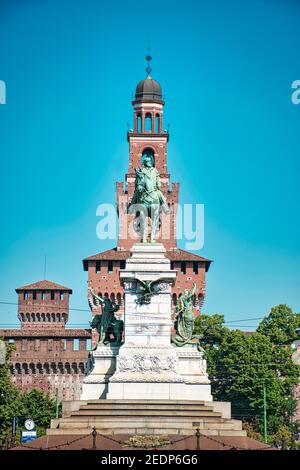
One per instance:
(148, 366)
(161, 373)
(145, 373)
(95, 384)
(159, 391)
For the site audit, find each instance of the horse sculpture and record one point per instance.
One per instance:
(147, 200)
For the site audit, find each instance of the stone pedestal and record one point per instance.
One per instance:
(147, 366)
(95, 384)
(193, 370)
(148, 324)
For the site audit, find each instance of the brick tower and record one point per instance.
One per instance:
(147, 136)
(47, 355)
(43, 304)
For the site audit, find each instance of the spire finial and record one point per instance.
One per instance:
(148, 59)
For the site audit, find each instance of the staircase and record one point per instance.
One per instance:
(146, 417)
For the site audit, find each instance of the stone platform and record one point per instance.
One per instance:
(174, 417)
(147, 385)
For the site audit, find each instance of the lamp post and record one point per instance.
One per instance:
(14, 430)
(265, 416)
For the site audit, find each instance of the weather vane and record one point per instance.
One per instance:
(148, 59)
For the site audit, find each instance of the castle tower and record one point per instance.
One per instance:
(47, 356)
(43, 304)
(148, 135)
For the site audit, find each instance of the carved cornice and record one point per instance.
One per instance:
(146, 377)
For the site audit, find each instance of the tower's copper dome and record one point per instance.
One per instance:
(148, 91)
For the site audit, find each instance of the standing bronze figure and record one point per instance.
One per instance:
(184, 319)
(106, 323)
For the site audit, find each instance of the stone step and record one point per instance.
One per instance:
(134, 412)
(157, 431)
(144, 401)
(141, 406)
(91, 420)
(172, 417)
(153, 423)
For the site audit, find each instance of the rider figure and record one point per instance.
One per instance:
(148, 198)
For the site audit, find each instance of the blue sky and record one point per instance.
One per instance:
(226, 69)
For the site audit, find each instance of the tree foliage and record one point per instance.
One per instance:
(9, 396)
(38, 406)
(211, 327)
(281, 325)
(240, 365)
(34, 404)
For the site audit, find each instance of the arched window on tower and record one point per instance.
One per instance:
(139, 123)
(157, 123)
(148, 122)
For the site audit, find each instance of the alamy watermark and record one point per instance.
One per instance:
(183, 222)
(2, 92)
(295, 97)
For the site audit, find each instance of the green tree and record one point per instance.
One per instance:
(281, 325)
(39, 407)
(211, 327)
(212, 330)
(241, 364)
(9, 397)
(248, 427)
(283, 433)
(34, 404)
